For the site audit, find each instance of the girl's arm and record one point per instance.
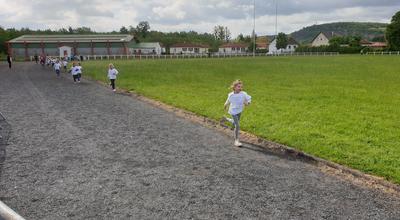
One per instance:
(247, 99)
(226, 105)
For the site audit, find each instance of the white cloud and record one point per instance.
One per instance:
(198, 15)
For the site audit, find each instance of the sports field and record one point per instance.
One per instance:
(345, 109)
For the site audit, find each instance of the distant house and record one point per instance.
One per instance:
(147, 48)
(233, 48)
(262, 42)
(291, 46)
(373, 45)
(322, 39)
(365, 43)
(188, 48)
(378, 45)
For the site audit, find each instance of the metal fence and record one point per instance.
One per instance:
(397, 53)
(195, 56)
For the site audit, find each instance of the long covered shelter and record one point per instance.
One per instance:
(69, 45)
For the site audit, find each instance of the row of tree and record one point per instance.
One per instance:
(219, 35)
(142, 33)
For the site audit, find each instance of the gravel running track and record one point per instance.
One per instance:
(79, 151)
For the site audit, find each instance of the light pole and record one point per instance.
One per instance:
(276, 18)
(254, 28)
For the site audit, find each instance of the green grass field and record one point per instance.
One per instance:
(345, 109)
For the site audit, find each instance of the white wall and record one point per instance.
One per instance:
(320, 40)
(231, 50)
(289, 48)
(187, 50)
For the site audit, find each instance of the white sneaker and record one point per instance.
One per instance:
(114, 90)
(238, 144)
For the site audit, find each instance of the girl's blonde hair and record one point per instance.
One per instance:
(235, 83)
(110, 65)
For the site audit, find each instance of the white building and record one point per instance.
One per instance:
(188, 48)
(291, 47)
(147, 48)
(233, 48)
(322, 39)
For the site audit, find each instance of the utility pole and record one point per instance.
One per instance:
(254, 28)
(276, 18)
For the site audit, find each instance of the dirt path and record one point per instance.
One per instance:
(82, 152)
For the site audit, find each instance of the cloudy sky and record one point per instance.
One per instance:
(198, 15)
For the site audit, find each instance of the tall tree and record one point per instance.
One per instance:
(142, 29)
(240, 38)
(123, 30)
(222, 33)
(227, 34)
(393, 32)
(281, 41)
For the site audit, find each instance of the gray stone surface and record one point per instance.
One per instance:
(79, 151)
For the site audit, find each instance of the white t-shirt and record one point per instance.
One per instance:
(76, 70)
(237, 101)
(57, 66)
(112, 73)
(65, 63)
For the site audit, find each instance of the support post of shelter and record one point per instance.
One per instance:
(125, 49)
(75, 48)
(108, 47)
(91, 48)
(26, 51)
(42, 46)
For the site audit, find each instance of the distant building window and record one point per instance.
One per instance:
(224, 50)
(233, 49)
(290, 47)
(184, 49)
(190, 49)
(238, 48)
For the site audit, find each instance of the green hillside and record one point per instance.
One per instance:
(366, 30)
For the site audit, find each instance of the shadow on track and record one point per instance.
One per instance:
(5, 130)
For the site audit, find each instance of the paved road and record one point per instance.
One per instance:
(82, 152)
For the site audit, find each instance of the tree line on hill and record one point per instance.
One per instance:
(353, 43)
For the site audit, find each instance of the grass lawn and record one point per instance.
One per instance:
(345, 109)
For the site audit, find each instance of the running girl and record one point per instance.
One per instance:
(236, 101)
(79, 69)
(75, 71)
(112, 75)
(65, 64)
(57, 67)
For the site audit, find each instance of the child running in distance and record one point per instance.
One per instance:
(75, 72)
(236, 101)
(112, 75)
(65, 64)
(57, 67)
(79, 69)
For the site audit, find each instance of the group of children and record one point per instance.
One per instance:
(235, 103)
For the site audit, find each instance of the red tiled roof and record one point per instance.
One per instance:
(378, 44)
(262, 45)
(364, 41)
